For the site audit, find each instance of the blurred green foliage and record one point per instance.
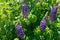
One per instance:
(11, 11)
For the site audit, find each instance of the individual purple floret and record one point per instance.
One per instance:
(19, 30)
(43, 23)
(53, 12)
(24, 9)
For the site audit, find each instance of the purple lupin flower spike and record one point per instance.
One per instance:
(19, 30)
(43, 23)
(53, 12)
(24, 9)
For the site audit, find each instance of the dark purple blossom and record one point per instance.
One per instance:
(24, 9)
(19, 30)
(43, 23)
(53, 12)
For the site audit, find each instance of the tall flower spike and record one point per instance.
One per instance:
(19, 30)
(43, 23)
(53, 12)
(24, 9)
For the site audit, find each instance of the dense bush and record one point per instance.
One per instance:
(38, 11)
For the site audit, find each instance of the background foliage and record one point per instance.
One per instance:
(11, 11)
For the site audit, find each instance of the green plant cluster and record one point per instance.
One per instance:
(10, 12)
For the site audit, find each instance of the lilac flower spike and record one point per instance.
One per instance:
(24, 9)
(19, 30)
(53, 12)
(43, 23)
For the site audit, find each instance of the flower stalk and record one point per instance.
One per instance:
(24, 9)
(53, 12)
(19, 30)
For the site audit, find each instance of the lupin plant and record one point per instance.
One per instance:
(24, 9)
(29, 27)
(19, 30)
(43, 23)
(53, 12)
(52, 25)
